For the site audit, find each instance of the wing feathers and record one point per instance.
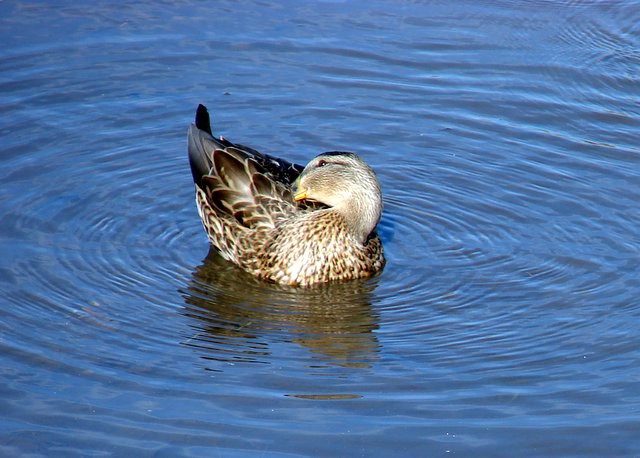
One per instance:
(238, 189)
(241, 188)
(231, 170)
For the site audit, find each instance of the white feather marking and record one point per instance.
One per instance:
(299, 267)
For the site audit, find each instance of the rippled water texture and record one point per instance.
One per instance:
(506, 322)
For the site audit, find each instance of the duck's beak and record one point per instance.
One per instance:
(298, 194)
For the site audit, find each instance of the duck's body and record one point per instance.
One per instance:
(283, 222)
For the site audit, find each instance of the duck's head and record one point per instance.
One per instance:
(344, 182)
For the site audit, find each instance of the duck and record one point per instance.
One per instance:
(283, 222)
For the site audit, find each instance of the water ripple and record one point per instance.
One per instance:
(505, 139)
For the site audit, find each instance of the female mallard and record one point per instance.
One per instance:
(283, 222)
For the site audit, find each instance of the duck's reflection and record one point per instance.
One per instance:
(239, 318)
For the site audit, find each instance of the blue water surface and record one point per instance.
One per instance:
(506, 322)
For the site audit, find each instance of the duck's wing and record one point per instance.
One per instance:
(202, 144)
(241, 185)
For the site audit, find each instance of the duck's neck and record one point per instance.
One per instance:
(361, 214)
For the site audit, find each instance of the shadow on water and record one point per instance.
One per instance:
(238, 317)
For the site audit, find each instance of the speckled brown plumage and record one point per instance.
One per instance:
(280, 221)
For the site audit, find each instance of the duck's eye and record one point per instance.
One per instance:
(322, 163)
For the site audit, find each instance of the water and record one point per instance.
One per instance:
(506, 322)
